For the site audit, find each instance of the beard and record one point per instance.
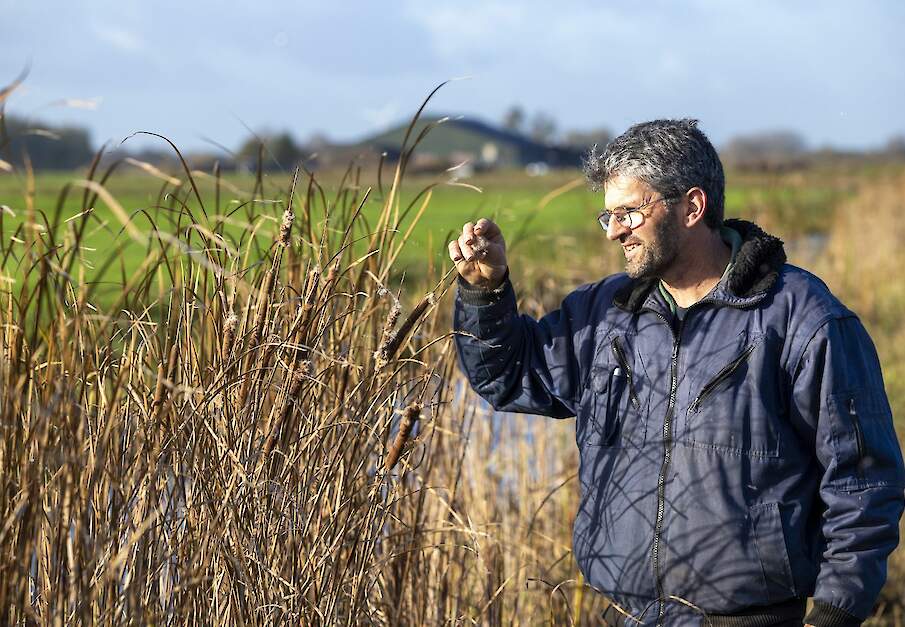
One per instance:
(652, 258)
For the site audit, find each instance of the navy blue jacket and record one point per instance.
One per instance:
(740, 457)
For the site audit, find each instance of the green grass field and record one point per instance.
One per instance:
(546, 212)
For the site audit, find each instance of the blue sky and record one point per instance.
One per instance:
(832, 71)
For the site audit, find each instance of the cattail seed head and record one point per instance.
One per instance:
(295, 384)
(395, 342)
(229, 335)
(410, 416)
(286, 228)
(381, 355)
(392, 317)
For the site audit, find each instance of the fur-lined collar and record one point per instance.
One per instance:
(751, 276)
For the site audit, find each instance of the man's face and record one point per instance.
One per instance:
(652, 247)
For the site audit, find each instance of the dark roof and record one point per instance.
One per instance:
(467, 134)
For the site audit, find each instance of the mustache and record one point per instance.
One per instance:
(625, 240)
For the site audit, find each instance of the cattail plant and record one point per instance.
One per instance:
(410, 415)
(381, 355)
(392, 341)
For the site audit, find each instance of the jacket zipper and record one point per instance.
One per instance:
(859, 436)
(623, 362)
(721, 376)
(664, 469)
(667, 452)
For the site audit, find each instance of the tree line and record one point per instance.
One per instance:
(45, 147)
(48, 147)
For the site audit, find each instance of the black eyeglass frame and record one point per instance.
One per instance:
(621, 213)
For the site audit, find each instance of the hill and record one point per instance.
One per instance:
(456, 139)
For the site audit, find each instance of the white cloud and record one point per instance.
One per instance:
(120, 38)
(383, 116)
(460, 32)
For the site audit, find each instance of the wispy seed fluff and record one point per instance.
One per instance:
(229, 335)
(286, 228)
(380, 355)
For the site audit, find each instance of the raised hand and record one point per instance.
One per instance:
(480, 254)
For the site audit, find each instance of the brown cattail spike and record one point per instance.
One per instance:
(405, 328)
(381, 355)
(410, 415)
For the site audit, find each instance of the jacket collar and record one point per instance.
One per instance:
(752, 275)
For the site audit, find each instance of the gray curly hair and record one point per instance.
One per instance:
(672, 156)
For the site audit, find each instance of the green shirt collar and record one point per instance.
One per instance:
(733, 239)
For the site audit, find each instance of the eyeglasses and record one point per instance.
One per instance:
(628, 217)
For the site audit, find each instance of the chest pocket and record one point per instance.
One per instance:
(732, 403)
(612, 413)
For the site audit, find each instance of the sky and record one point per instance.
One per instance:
(204, 72)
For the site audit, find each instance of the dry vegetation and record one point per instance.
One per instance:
(266, 430)
(863, 256)
(236, 441)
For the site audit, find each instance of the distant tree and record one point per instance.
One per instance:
(895, 147)
(279, 147)
(285, 150)
(765, 150)
(514, 119)
(583, 140)
(317, 141)
(48, 147)
(543, 128)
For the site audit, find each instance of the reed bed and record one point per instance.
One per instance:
(256, 427)
(860, 263)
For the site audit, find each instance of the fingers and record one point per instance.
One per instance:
(486, 228)
(455, 253)
(468, 234)
(471, 245)
(479, 253)
(467, 241)
(458, 259)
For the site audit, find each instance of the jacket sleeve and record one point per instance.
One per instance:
(838, 391)
(515, 362)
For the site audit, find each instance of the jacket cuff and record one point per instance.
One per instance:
(477, 296)
(826, 615)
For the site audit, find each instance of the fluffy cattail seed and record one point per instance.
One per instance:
(286, 228)
(381, 355)
(480, 245)
(229, 335)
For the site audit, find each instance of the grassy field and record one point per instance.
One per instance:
(245, 426)
(550, 211)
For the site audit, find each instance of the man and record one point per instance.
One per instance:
(737, 450)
